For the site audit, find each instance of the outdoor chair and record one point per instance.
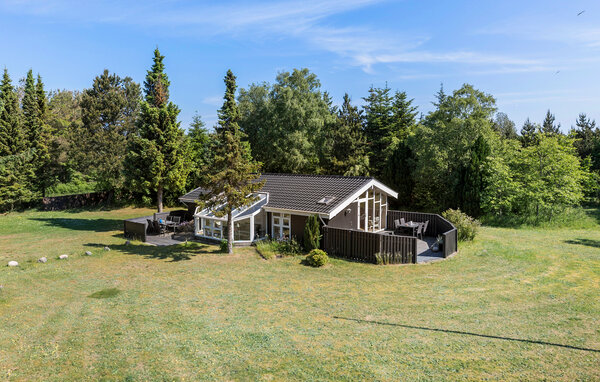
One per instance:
(150, 229)
(175, 220)
(420, 231)
(402, 221)
(424, 228)
(160, 229)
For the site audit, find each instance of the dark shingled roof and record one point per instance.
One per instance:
(303, 192)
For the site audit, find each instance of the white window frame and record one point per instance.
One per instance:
(282, 216)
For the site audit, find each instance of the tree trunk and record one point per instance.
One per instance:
(159, 198)
(229, 233)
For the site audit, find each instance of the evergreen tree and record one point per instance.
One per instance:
(12, 138)
(473, 178)
(312, 233)
(548, 126)
(347, 155)
(504, 126)
(15, 175)
(529, 133)
(109, 110)
(378, 121)
(157, 154)
(233, 182)
(201, 144)
(31, 115)
(586, 136)
(45, 171)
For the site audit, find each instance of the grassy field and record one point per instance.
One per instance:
(516, 304)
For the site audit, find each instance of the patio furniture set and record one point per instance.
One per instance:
(161, 227)
(416, 229)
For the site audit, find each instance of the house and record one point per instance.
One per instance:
(286, 200)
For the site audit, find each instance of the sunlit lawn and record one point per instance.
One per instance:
(186, 313)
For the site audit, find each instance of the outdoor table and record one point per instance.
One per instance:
(410, 226)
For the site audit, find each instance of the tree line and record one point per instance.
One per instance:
(127, 140)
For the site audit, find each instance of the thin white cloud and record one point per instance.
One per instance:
(362, 46)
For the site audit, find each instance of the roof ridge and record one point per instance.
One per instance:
(318, 175)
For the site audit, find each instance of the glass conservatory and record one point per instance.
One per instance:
(248, 222)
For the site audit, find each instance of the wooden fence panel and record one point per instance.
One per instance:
(363, 246)
(437, 226)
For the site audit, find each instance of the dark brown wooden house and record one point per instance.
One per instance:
(283, 205)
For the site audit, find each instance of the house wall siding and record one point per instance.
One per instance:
(345, 220)
(298, 223)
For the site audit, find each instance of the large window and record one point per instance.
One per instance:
(241, 229)
(214, 228)
(372, 210)
(281, 225)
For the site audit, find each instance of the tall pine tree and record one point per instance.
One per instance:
(233, 182)
(12, 138)
(529, 133)
(157, 157)
(548, 126)
(347, 154)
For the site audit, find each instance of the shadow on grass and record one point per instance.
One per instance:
(92, 225)
(586, 242)
(172, 253)
(468, 334)
(105, 293)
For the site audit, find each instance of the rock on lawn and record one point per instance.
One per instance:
(88, 253)
(42, 260)
(13, 264)
(63, 257)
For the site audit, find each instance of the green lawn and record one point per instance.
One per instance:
(186, 313)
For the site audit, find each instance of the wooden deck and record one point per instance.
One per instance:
(169, 239)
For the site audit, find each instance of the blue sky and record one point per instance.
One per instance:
(531, 55)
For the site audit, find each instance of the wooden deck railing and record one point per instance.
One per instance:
(363, 246)
(437, 226)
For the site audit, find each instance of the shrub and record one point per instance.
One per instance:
(317, 258)
(287, 247)
(388, 258)
(223, 246)
(312, 234)
(283, 247)
(466, 226)
(266, 249)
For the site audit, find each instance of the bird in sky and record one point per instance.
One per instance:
(580, 13)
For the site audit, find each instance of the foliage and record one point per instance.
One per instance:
(202, 145)
(223, 247)
(78, 184)
(15, 186)
(312, 233)
(466, 226)
(280, 247)
(388, 258)
(157, 153)
(451, 147)
(529, 133)
(317, 258)
(548, 126)
(504, 126)
(12, 136)
(233, 182)
(347, 154)
(285, 123)
(108, 112)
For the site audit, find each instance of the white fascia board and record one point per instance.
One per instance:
(361, 191)
(294, 212)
